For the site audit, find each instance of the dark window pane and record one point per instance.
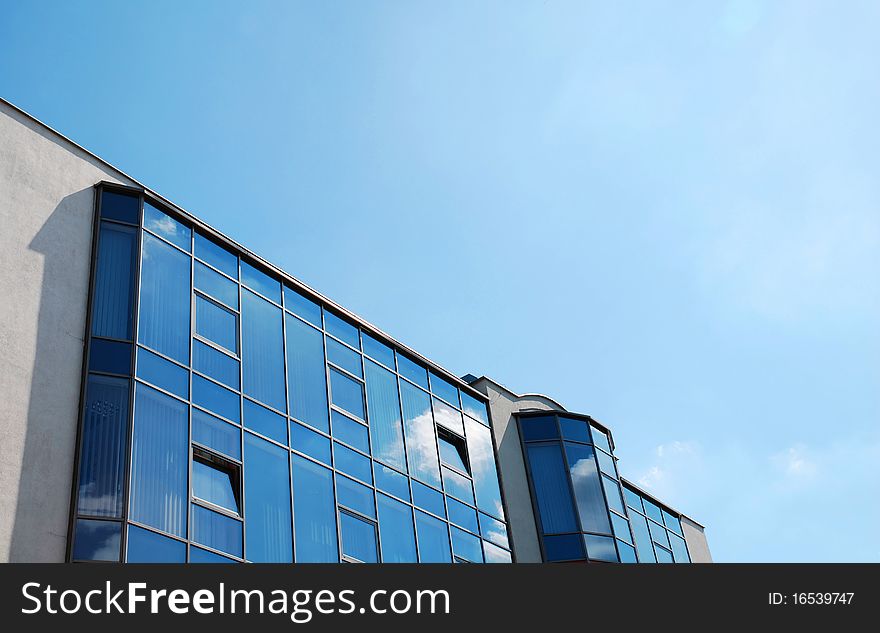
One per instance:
(377, 350)
(452, 451)
(462, 515)
(306, 377)
(217, 324)
(606, 463)
(214, 363)
(495, 554)
(262, 346)
(433, 539)
(538, 428)
(458, 486)
(259, 281)
(421, 438)
(466, 546)
(572, 429)
(352, 463)
(391, 481)
(265, 422)
(621, 527)
(600, 548)
(483, 469)
(314, 513)
(215, 485)
(565, 547)
(165, 226)
(445, 389)
(267, 499)
(612, 494)
(355, 496)
(145, 546)
(493, 530)
(96, 540)
(217, 256)
(111, 357)
(633, 500)
(160, 460)
(307, 441)
(412, 370)
(216, 434)
(163, 316)
(112, 304)
(428, 499)
(587, 488)
(627, 553)
(102, 457)
(341, 329)
(653, 510)
(213, 283)
(216, 530)
(663, 555)
(215, 398)
(679, 549)
(671, 521)
(383, 407)
(600, 439)
(474, 408)
(120, 206)
(162, 373)
(199, 555)
(551, 488)
(396, 531)
(347, 393)
(344, 357)
(358, 538)
(352, 433)
(302, 306)
(446, 416)
(643, 538)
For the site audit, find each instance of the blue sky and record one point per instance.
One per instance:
(665, 217)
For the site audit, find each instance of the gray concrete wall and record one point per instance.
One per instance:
(695, 537)
(46, 211)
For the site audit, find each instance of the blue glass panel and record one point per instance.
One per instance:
(600, 439)
(112, 311)
(120, 206)
(396, 531)
(347, 393)
(111, 357)
(658, 534)
(102, 457)
(216, 530)
(352, 463)
(493, 530)
(428, 499)
(216, 434)
(653, 510)
(344, 357)
(215, 398)
(145, 546)
(587, 489)
(671, 521)
(411, 370)
(214, 363)
(262, 346)
(564, 547)
(216, 323)
(265, 422)
(679, 549)
(352, 433)
(577, 430)
(495, 554)
(199, 555)
(446, 416)
(433, 539)
(306, 377)
(462, 515)
(551, 488)
(606, 463)
(355, 496)
(449, 453)
(458, 486)
(97, 540)
(445, 389)
(643, 538)
(165, 226)
(309, 442)
(160, 461)
(391, 481)
(314, 513)
(343, 330)
(163, 315)
(267, 502)
(215, 486)
(162, 373)
(358, 538)
(383, 406)
(213, 283)
(217, 256)
(538, 428)
(663, 555)
(633, 500)
(259, 281)
(377, 350)
(621, 527)
(627, 553)
(600, 548)
(467, 546)
(612, 494)
(302, 306)
(483, 469)
(474, 408)
(421, 437)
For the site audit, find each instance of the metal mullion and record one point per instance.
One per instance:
(329, 395)
(366, 400)
(150, 528)
(440, 469)
(348, 414)
(239, 341)
(287, 425)
(192, 329)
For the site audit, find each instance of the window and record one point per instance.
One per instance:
(679, 549)
(428, 499)
(355, 496)
(391, 481)
(587, 488)
(267, 499)
(352, 463)
(120, 206)
(458, 486)
(163, 373)
(377, 350)
(445, 415)
(262, 351)
(165, 226)
(396, 531)
(552, 493)
(353, 433)
(216, 256)
(215, 398)
(421, 443)
(452, 450)
(621, 527)
(216, 324)
(217, 531)
(495, 554)
(96, 540)
(164, 311)
(345, 357)
(216, 434)
(145, 546)
(265, 422)
(600, 548)
(111, 357)
(538, 428)
(462, 515)
(216, 285)
(216, 364)
(433, 538)
(573, 429)
(314, 513)
(114, 281)
(216, 481)
(384, 414)
(348, 394)
(302, 306)
(600, 439)
(643, 538)
(606, 463)
(564, 547)
(306, 377)
(494, 530)
(474, 408)
(412, 371)
(305, 440)
(612, 494)
(466, 546)
(445, 389)
(483, 469)
(259, 281)
(358, 538)
(341, 329)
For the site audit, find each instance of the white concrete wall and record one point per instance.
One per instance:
(46, 211)
(695, 537)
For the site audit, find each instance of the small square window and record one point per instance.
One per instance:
(453, 451)
(216, 480)
(217, 324)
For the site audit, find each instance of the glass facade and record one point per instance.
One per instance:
(254, 423)
(658, 534)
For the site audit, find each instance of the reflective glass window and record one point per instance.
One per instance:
(445, 389)
(600, 439)
(396, 531)
(474, 408)
(215, 398)
(216, 434)
(462, 515)
(111, 357)
(643, 538)
(421, 442)
(452, 450)
(679, 549)
(653, 511)
(353, 433)
(551, 488)
(307, 441)
(458, 486)
(448, 417)
(352, 463)
(538, 428)
(482, 462)
(658, 534)
(215, 483)
(259, 281)
(302, 306)
(606, 463)
(216, 255)
(163, 314)
(214, 363)
(493, 530)
(495, 554)
(466, 546)
(587, 488)
(145, 546)
(217, 324)
(627, 553)
(600, 548)
(216, 530)
(433, 539)
(216, 285)
(663, 555)
(347, 393)
(96, 540)
(573, 429)
(120, 206)
(341, 329)
(671, 521)
(202, 556)
(621, 527)
(165, 226)
(564, 547)
(306, 377)
(412, 370)
(612, 494)
(344, 357)
(383, 406)
(265, 422)
(428, 499)
(391, 481)
(355, 496)
(358, 538)
(267, 499)
(633, 500)
(162, 373)
(113, 294)
(377, 350)
(314, 513)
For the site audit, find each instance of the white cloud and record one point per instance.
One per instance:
(795, 462)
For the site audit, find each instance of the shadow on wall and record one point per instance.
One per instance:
(42, 512)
